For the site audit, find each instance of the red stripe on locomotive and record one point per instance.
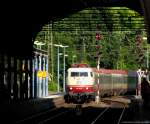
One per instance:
(80, 88)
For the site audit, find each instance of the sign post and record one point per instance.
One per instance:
(98, 93)
(98, 38)
(140, 75)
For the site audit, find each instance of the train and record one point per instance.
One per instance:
(84, 83)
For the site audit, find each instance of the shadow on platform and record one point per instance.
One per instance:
(12, 111)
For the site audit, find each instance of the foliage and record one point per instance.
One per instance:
(52, 86)
(116, 25)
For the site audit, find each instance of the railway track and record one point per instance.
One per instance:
(59, 103)
(90, 113)
(111, 114)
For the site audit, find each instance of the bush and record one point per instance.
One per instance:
(52, 86)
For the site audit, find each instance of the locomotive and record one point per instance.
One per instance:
(82, 83)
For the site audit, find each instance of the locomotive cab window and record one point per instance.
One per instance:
(83, 74)
(74, 74)
(77, 74)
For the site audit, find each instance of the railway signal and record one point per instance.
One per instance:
(98, 53)
(98, 36)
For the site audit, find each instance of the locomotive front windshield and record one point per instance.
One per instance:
(79, 74)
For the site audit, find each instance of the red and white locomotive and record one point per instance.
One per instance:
(82, 83)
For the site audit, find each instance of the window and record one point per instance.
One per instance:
(77, 74)
(74, 74)
(91, 74)
(83, 74)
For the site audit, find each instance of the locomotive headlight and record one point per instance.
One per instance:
(70, 88)
(87, 88)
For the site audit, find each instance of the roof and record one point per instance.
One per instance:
(110, 71)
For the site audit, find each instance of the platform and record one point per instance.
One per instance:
(11, 111)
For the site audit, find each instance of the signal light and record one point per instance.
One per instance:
(98, 36)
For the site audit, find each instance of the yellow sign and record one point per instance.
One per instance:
(42, 74)
(39, 74)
